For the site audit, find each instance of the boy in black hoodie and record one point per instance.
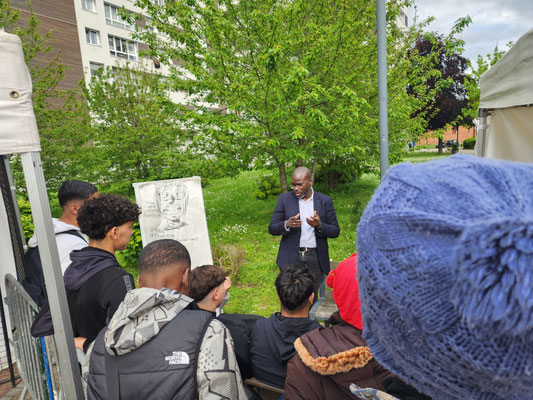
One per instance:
(95, 283)
(272, 339)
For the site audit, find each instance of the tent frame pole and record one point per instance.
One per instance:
(55, 289)
(481, 140)
(382, 88)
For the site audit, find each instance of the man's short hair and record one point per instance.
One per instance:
(99, 215)
(294, 285)
(162, 254)
(204, 279)
(75, 190)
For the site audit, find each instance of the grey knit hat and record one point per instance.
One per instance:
(446, 277)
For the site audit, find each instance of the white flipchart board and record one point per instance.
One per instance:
(174, 209)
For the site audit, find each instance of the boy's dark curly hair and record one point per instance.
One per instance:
(98, 216)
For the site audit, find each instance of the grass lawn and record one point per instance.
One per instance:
(235, 217)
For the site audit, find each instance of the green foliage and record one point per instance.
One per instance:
(469, 143)
(267, 185)
(136, 125)
(129, 257)
(472, 84)
(25, 217)
(281, 83)
(231, 258)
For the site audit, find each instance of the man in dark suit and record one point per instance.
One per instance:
(305, 219)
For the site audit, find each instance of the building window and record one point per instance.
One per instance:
(92, 36)
(123, 48)
(112, 17)
(403, 18)
(158, 2)
(94, 66)
(89, 5)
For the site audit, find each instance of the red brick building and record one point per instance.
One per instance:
(450, 134)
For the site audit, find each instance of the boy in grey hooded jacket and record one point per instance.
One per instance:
(165, 346)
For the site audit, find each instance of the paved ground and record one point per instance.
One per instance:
(13, 393)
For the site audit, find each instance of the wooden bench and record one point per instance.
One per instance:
(263, 390)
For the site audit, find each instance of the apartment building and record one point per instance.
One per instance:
(90, 34)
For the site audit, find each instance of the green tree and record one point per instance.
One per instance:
(446, 84)
(137, 135)
(472, 83)
(283, 83)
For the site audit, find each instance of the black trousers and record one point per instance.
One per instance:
(310, 258)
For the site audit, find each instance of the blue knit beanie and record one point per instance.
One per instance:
(446, 277)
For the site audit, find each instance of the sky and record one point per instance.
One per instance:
(494, 22)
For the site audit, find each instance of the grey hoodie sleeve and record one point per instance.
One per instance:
(218, 373)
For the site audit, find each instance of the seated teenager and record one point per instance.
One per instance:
(329, 360)
(209, 285)
(164, 346)
(445, 254)
(272, 339)
(94, 282)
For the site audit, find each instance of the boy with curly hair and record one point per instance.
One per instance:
(95, 283)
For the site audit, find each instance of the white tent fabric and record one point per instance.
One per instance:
(511, 134)
(506, 105)
(18, 128)
(509, 82)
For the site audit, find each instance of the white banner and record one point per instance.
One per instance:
(174, 209)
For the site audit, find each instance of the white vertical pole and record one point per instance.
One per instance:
(382, 88)
(53, 277)
(481, 140)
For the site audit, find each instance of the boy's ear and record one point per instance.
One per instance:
(311, 298)
(185, 281)
(113, 232)
(73, 208)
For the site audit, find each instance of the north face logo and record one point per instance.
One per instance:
(177, 357)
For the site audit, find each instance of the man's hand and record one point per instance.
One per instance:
(293, 222)
(79, 341)
(314, 221)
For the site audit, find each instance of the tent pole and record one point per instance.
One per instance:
(57, 298)
(481, 140)
(382, 88)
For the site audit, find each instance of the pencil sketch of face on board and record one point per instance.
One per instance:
(172, 199)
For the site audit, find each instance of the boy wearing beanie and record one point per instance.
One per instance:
(446, 277)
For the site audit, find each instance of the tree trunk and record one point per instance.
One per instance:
(440, 145)
(313, 171)
(283, 178)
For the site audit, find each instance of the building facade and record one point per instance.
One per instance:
(90, 34)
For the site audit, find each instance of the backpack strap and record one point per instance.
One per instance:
(74, 232)
(111, 375)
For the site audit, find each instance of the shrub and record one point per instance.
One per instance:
(129, 257)
(25, 217)
(230, 258)
(469, 143)
(267, 186)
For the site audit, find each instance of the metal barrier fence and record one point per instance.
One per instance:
(34, 356)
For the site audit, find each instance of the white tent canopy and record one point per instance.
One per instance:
(506, 105)
(18, 129)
